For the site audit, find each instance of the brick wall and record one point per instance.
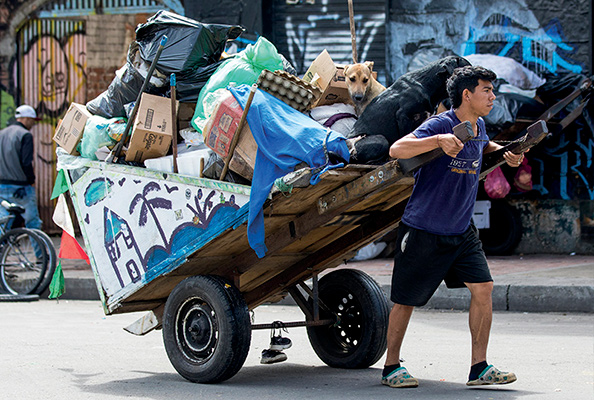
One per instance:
(108, 38)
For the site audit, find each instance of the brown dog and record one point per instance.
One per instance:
(361, 84)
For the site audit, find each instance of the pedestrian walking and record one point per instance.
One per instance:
(436, 239)
(17, 177)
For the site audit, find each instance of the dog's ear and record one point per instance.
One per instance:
(346, 67)
(369, 64)
(448, 65)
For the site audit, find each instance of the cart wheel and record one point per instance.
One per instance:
(358, 339)
(206, 329)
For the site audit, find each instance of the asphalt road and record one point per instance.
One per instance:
(71, 350)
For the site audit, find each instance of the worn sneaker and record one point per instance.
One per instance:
(400, 378)
(272, 356)
(492, 376)
(278, 343)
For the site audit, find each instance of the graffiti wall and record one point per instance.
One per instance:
(549, 38)
(51, 66)
(545, 36)
(301, 30)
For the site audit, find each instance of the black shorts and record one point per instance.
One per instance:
(424, 260)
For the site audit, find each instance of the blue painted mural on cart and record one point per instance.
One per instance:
(139, 225)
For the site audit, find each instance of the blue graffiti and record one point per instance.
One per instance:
(539, 47)
(574, 160)
(587, 165)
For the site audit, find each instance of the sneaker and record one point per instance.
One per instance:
(271, 356)
(492, 376)
(400, 378)
(278, 343)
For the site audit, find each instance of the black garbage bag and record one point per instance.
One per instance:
(558, 86)
(190, 83)
(124, 89)
(190, 44)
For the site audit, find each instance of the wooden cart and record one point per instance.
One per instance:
(177, 246)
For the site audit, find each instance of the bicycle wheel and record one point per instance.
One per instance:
(52, 261)
(21, 271)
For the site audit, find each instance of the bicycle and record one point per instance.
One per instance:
(27, 256)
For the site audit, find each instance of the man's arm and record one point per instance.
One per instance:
(27, 158)
(513, 160)
(410, 145)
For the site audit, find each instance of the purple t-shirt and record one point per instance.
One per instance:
(445, 189)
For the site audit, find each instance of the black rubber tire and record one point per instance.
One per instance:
(52, 262)
(505, 230)
(16, 251)
(206, 329)
(358, 340)
(18, 298)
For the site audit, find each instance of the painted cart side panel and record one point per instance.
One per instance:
(139, 224)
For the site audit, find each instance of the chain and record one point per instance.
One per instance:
(520, 140)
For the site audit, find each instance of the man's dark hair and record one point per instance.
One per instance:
(467, 78)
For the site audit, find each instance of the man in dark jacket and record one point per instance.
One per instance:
(16, 165)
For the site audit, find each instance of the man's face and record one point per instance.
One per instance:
(481, 101)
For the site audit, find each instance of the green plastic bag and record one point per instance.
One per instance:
(100, 132)
(245, 67)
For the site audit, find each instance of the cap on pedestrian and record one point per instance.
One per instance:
(26, 111)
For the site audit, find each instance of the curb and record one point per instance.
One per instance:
(77, 289)
(515, 298)
(520, 298)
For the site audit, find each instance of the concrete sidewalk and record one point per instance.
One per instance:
(531, 283)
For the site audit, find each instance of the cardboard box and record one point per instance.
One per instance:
(222, 125)
(244, 156)
(70, 129)
(151, 131)
(329, 77)
(220, 130)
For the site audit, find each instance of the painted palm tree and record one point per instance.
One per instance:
(149, 205)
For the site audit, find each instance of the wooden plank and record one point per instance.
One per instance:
(340, 175)
(300, 199)
(462, 131)
(381, 176)
(536, 132)
(316, 239)
(347, 219)
(331, 255)
(130, 306)
(232, 241)
(257, 276)
(382, 199)
(280, 238)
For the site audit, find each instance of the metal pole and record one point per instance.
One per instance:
(115, 153)
(353, 36)
(173, 121)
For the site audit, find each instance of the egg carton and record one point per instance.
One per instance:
(295, 92)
